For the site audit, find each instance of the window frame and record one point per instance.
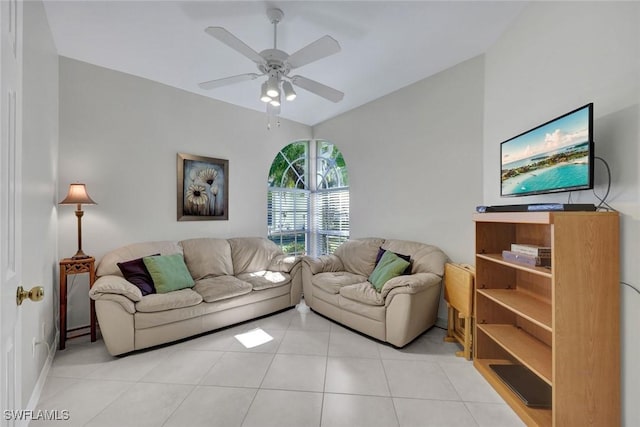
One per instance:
(317, 237)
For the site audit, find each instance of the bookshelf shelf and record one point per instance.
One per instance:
(527, 350)
(523, 304)
(497, 258)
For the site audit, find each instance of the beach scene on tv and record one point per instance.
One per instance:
(551, 157)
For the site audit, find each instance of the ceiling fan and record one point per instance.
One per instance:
(276, 65)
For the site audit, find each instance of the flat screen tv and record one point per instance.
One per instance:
(553, 157)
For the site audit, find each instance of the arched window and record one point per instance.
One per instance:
(308, 198)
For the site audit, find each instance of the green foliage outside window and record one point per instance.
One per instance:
(332, 171)
(289, 168)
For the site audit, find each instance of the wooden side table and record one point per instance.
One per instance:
(69, 266)
(458, 292)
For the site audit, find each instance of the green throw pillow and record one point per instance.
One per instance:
(390, 266)
(169, 273)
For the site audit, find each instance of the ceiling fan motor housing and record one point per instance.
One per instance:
(275, 60)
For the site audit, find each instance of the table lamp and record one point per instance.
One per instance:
(78, 196)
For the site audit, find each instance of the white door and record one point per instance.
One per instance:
(10, 205)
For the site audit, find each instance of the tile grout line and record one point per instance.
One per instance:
(179, 405)
(257, 390)
(391, 396)
(324, 379)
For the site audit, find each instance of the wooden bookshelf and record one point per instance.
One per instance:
(562, 323)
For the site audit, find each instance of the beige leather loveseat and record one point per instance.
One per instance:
(233, 280)
(337, 286)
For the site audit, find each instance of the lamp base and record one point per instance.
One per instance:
(80, 255)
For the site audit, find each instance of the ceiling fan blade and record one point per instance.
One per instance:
(235, 43)
(211, 84)
(319, 89)
(319, 49)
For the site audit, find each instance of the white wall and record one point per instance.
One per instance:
(414, 159)
(39, 171)
(120, 135)
(556, 57)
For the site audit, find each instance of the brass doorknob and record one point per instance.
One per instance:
(35, 294)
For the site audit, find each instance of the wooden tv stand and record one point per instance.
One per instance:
(562, 323)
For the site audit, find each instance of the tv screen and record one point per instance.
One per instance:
(555, 156)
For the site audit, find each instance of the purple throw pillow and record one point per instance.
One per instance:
(136, 272)
(407, 258)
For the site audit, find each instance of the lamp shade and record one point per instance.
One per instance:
(273, 89)
(263, 93)
(275, 101)
(289, 93)
(77, 195)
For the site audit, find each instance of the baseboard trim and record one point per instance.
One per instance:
(42, 379)
(441, 322)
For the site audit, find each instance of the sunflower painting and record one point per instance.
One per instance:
(203, 188)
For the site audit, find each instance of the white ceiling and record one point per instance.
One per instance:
(386, 45)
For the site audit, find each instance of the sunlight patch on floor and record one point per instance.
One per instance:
(253, 338)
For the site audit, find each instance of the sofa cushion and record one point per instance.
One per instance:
(331, 282)
(175, 317)
(330, 298)
(364, 293)
(136, 272)
(251, 254)
(390, 266)
(169, 272)
(207, 257)
(168, 301)
(222, 287)
(108, 263)
(265, 279)
(245, 302)
(359, 256)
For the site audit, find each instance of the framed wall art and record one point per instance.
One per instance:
(203, 188)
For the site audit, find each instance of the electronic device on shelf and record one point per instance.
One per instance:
(553, 157)
(538, 207)
(533, 391)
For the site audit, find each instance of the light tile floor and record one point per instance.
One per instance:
(314, 373)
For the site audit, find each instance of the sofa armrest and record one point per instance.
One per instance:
(410, 284)
(115, 285)
(128, 305)
(324, 263)
(283, 263)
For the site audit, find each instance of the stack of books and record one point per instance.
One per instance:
(529, 254)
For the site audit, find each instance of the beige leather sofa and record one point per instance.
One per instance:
(235, 280)
(336, 286)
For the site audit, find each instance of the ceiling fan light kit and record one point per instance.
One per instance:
(273, 86)
(263, 93)
(276, 65)
(289, 93)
